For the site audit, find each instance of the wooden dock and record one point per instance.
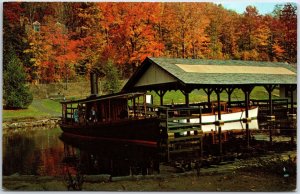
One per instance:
(180, 138)
(185, 137)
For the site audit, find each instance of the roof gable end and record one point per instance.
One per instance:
(154, 75)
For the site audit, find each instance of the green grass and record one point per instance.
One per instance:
(51, 104)
(38, 109)
(30, 112)
(200, 96)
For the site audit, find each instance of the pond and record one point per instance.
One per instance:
(32, 152)
(49, 152)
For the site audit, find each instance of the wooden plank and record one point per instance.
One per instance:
(195, 137)
(151, 113)
(182, 130)
(181, 125)
(182, 118)
(185, 150)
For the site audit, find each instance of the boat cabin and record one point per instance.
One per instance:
(109, 108)
(214, 106)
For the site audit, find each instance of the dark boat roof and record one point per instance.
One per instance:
(104, 97)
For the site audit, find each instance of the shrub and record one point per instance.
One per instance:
(15, 93)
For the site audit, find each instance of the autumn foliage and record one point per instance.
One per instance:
(57, 41)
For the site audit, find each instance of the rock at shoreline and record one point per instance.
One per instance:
(51, 122)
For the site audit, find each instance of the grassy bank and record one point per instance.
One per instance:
(39, 108)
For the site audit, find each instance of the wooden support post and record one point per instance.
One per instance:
(168, 151)
(270, 134)
(247, 103)
(167, 131)
(201, 146)
(246, 93)
(292, 88)
(248, 135)
(220, 140)
(208, 92)
(102, 111)
(187, 99)
(138, 107)
(201, 132)
(269, 89)
(218, 92)
(229, 92)
(161, 94)
(200, 117)
(134, 107)
(186, 94)
(144, 103)
(270, 103)
(247, 90)
(292, 102)
(213, 137)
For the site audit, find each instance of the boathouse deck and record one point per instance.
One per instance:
(165, 74)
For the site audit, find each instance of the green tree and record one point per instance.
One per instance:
(112, 82)
(15, 93)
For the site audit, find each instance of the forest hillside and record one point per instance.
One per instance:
(60, 41)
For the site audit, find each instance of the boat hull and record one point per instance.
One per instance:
(132, 130)
(227, 117)
(229, 126)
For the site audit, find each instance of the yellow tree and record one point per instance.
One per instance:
(92, 35)
(53, 53)
(184, 29)
(36, 50)
(254, 35)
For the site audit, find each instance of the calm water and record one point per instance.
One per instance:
(47, 152)
(33, 152)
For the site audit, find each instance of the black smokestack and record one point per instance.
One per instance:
(94, 83)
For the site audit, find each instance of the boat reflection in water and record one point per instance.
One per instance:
(113, 158)
(238, 125)
(95, 156)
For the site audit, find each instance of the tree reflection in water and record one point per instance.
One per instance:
(32, 152)
(17, 150)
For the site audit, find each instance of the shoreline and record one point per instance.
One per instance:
(26, 123)
(206, 180)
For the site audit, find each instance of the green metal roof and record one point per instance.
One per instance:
(168, 64)
(171, 67)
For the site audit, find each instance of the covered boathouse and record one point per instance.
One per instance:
(166, 74)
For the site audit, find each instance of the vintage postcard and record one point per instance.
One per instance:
(149, 96)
